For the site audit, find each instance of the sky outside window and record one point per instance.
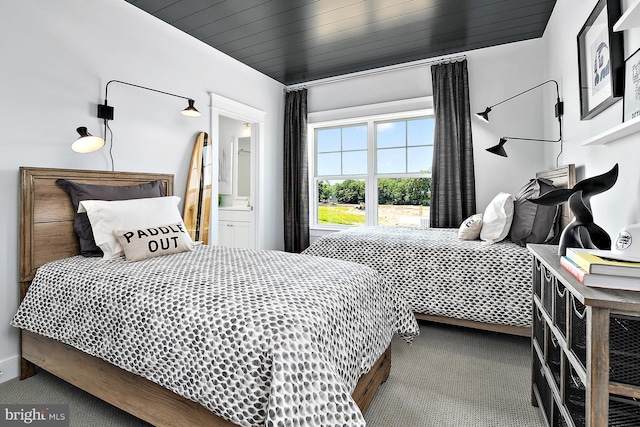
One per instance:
(404, 146)
(342, 151)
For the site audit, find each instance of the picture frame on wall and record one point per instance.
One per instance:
(631, 106)
(600, 60)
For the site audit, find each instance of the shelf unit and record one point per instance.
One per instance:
(629, 19)
(585, 349)
(624, 129)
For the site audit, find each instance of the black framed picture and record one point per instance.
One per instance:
(631, 108)
(600, 60)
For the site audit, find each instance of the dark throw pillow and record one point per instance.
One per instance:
(534, 223)
(79, 192)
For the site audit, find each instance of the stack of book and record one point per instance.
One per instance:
(592, 270)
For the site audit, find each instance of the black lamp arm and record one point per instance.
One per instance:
(529, 90)
(532, 139)
(106, 90)
(559, 111)
(105, 111)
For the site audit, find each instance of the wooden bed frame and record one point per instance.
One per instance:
(562, 177)
(46, 230)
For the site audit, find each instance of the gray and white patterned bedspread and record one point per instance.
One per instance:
(440, 275)
(258, 337)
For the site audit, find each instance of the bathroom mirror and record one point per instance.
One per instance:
(235, 163)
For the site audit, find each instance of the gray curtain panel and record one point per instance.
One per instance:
(453, 189)
(296, 172)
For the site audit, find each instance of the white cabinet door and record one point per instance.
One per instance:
(225, 234)
(241, 235)
(234, 234)
(235, 228)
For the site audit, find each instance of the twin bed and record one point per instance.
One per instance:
(213, 336)
(219, 336)
(445, 279)
(441, 277)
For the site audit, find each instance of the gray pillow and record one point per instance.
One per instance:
(79, 192)
(533, 223)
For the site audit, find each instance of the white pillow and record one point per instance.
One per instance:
(496, 221)
(470, 227)
(149, 242)
(107, 216)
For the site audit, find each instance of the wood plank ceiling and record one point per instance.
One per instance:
(295, 41)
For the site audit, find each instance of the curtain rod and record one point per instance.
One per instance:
(426, 62)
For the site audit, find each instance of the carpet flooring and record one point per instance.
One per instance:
(449, 376)
(453, 377)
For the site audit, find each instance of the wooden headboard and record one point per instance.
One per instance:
(46, 213)
(562, 177)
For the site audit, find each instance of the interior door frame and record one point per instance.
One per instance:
(227, 107)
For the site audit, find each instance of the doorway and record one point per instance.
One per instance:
(237, 136)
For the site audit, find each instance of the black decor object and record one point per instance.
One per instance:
(581, 232)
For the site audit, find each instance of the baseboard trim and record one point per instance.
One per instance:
(10, 369)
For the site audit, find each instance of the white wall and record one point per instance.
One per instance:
(621, 205)
(495, 74)
(57, 57)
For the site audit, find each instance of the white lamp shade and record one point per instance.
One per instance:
(87, 143)
(191, 111)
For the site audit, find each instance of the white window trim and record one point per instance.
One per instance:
(403, 106)
(371, 159)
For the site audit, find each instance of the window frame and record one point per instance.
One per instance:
(371, 214)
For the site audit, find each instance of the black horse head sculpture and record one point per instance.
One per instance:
(582, 232)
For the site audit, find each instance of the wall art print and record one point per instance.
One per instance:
(600, 60)
(632, 87)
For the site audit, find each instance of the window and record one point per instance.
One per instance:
(372, 171)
